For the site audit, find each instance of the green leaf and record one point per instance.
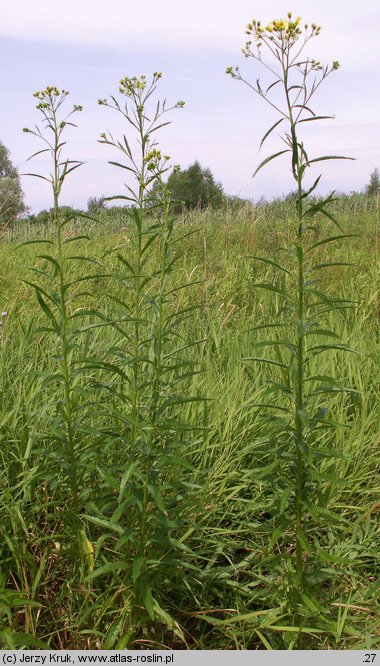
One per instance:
(269, 159)
(284, 498)
(278, 533)
(330, 239)
(47, 311)
(296, 630)
(137, 567)
(18, 640)
(103, 522)
(246, 617)
(155, 493)
(333, 263)
(323, 332)
(122, 166)
(89, 259)
(33, 242)
(270, 262)
(118, 565)
(313, 351)
(265, 360)
(304, 418)
(265, 326)
(312, 188)
(76, 238)
(329, 157)
(276, 343)
(270, 287)
(53, 261)
(308, 120)
(37, 175)
(149, 602)
(272, 85)
(270, 130)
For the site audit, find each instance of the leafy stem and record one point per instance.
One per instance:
(55, 307)
(298, 80)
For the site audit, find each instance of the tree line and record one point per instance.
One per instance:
(191, 188)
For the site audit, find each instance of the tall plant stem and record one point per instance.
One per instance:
(297, 78)
(139, 219)
(65, 363)
(300, 342)
(56, 305)
(299, 410)
(65, 367)
(157, 336)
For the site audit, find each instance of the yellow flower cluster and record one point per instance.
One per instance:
(129, 86)
(49, 92)
(284, 29)
(153, 155)
(155, 160)
(49, 99)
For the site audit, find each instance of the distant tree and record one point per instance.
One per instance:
(45, 216)
(373, 186)
(11, 194)
(195, 187)
(95, 204)
(234, 202)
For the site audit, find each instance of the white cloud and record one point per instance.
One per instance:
(350, 27)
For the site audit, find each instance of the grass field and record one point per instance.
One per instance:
(218, 561)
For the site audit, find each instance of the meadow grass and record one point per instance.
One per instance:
(190, 424)
(229, 584)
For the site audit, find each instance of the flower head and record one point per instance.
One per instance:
(131, 86)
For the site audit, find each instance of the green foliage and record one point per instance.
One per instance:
(47, 217)
(228, 508)
(373, 186)
(11, 195)
(155, 491)
(194, 187)
(7, 169)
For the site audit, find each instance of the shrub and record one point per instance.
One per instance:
(195, 187)
(95, 204)
(373, 186)
(11, 195)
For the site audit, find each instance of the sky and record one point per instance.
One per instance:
(86, 46)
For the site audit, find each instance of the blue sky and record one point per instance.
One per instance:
(86, 46)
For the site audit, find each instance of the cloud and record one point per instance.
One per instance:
(86, 45)
(123, 24)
